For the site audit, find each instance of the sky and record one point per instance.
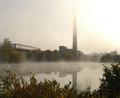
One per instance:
(47, 24)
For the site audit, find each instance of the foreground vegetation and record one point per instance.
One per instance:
(13, 86)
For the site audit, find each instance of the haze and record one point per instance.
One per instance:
(48, 23)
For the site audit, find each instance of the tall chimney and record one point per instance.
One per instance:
(74, 37)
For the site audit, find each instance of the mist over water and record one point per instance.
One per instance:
(88, 73)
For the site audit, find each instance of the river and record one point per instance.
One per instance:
(88, 74)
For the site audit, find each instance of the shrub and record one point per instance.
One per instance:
(110, 83)
(17, 87)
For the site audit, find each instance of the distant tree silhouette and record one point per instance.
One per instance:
(7, 53)
(116, 58)
(68, 57)
(110, 58)
(29, 55)
(37, 55)
(40, 56)
(48, 55)
(106, 58)
(6, 50)
(55, 55)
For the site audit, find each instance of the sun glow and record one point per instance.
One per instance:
(99, 16)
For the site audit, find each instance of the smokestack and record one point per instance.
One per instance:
(74, 37)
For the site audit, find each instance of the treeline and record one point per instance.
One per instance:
(13, 86)
(110, 57)
(10, 54)
(38, 55)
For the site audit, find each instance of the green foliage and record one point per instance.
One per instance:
(8, 54)
(110, 83)
(6, 50)
(15, 87)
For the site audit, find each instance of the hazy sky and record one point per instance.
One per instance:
(48, 23)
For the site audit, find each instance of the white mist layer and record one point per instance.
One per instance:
(88, 73)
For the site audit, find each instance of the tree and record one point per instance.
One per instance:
(106, 58)
(36, 55)
(6, 50)
(48, 55)
(55, 55)
(110, 83)
(7, 53)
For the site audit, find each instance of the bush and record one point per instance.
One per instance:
(110, 83)
(15, 87)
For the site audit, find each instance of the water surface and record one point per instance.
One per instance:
(88, 73)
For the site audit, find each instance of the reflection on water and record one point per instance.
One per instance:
(86, 74)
